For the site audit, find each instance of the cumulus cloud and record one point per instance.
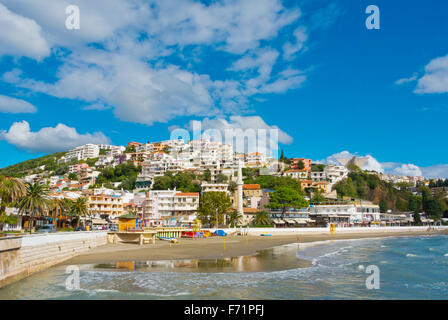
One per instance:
(49, 139)
(13, 105)
(133, 67)
(100, 19)
(435, 79)
(408, 170)
(21, 36)
(370, 163)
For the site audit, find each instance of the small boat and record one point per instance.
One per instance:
(172, 240)
(266, 235)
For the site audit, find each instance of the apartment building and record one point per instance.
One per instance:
(84, 152)
(297, 174)
(170, 207)
(252, 195)
(105, 205)
(255, 160)
(306, 163)
(217, 187)
(335, 173)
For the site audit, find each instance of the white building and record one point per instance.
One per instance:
(170, 207)
(346, 214)
(83, 152)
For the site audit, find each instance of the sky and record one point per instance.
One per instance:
(137, 69)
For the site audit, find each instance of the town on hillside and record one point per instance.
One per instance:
(175, 183)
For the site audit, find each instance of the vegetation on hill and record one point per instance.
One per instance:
(361, 185)
(183, 181)
(126, 173)
(24, 168)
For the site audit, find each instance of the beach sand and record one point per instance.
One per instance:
(216, 247)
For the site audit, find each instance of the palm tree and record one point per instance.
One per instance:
(60, 206)
(234, 218)
(262, 218)
(79, 209)
(36, 201)
(11, 189)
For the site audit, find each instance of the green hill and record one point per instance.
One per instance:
(32, 166)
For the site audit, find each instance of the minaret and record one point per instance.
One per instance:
(240, 183)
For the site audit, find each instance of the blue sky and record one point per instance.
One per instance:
(136, 69)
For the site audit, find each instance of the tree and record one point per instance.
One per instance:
(73, 176)
(285, 197)
(234, 218)
(209, 203)
(59, 207)
(383, 206)
(36, 201)
(79, 209)
(11, 190)
(301, 165)
(318, 197)
(417, 219)
(262, 218)
(221, 178)
(207, 176)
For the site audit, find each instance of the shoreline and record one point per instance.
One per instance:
(217, 247)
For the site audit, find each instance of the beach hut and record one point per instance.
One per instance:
(127, 221)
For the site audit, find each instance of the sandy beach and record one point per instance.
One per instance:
(217, 247)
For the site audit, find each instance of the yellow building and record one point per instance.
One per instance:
(105, 205)
(125, 222)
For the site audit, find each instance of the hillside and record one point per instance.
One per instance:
(362, 185)
(32, 166)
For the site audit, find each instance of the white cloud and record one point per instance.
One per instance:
(128, 70)
(13, 105)
(435, 79)
(371, 164)
(235, 26)
(407, 80)
(436, 171)
(395, 168)
(49, 139)
(21, 36)
(99, 19)
(408, 170)
(291, 48)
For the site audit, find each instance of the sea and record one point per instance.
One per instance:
(380, 268)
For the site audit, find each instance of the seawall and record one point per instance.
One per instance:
(24, 255)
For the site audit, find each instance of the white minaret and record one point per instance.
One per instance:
(239, 183)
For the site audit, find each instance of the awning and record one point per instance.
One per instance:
(279, 221)
(301, 221)
(99, 221)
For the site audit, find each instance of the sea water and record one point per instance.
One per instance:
(409, 268)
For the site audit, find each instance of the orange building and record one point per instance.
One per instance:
(306, 163)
